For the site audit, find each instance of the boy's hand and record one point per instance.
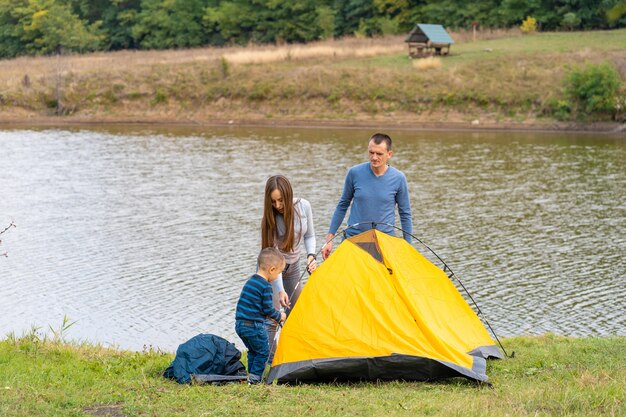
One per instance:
(283, 316)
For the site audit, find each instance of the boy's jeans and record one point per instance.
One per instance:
(254, 337)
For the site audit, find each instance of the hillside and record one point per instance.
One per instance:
(503, 79)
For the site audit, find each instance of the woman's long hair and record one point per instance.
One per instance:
(268, 223)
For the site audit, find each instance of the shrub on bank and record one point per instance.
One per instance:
(594, 89)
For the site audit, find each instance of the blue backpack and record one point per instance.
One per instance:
(206, 358)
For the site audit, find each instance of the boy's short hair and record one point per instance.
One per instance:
(270, 257)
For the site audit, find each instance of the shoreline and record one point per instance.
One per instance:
(608, 128)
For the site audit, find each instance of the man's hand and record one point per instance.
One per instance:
(283, 298)
(283, 316)
(329, 246)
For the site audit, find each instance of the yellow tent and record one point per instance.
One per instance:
(378, 309)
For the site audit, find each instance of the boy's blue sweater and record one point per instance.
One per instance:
(255, 301)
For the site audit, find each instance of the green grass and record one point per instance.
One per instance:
(596, 42)
(550, 376)
(541, 43)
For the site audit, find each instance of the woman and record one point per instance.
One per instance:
(287, 225)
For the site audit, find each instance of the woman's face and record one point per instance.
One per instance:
(277, 201)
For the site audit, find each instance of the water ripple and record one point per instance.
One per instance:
(146, 237)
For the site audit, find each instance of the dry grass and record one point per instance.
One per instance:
(346, 48)
(428, 63)
(14, 71)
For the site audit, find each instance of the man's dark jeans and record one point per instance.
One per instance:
(254, 336)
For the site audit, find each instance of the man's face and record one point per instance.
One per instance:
(379, 155)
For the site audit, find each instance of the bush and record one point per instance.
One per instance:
(559, 109)
(593, 88)
(160, 97)
(529, 25)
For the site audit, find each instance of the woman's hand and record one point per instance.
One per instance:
(311, 263)
(283, 298)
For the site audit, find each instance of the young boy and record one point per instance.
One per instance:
(254, 305)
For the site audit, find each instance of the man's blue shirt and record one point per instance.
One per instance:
(373, 200)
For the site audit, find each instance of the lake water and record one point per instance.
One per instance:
(145, 235)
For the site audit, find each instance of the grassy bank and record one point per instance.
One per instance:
(502, 78)
(549, 376)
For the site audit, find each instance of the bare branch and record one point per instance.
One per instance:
(8, 227)
(5, 254)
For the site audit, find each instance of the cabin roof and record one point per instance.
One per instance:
(434, 33)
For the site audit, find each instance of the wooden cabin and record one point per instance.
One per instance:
(428, 40)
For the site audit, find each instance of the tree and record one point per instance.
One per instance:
(460, 13)
(513, 12)
(116, 17)
(617, 12)
(288, 21)
(550, 14)
(51, 26)
(326, 21)
(231, 21)
(242, 21)
(354, 16)
(170, 24)
(570, 21)
(10, 34)
(44, 27)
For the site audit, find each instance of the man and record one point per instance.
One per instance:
(372, 190)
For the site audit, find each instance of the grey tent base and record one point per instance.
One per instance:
(383, 368)
(487, 352)
(217, 379)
